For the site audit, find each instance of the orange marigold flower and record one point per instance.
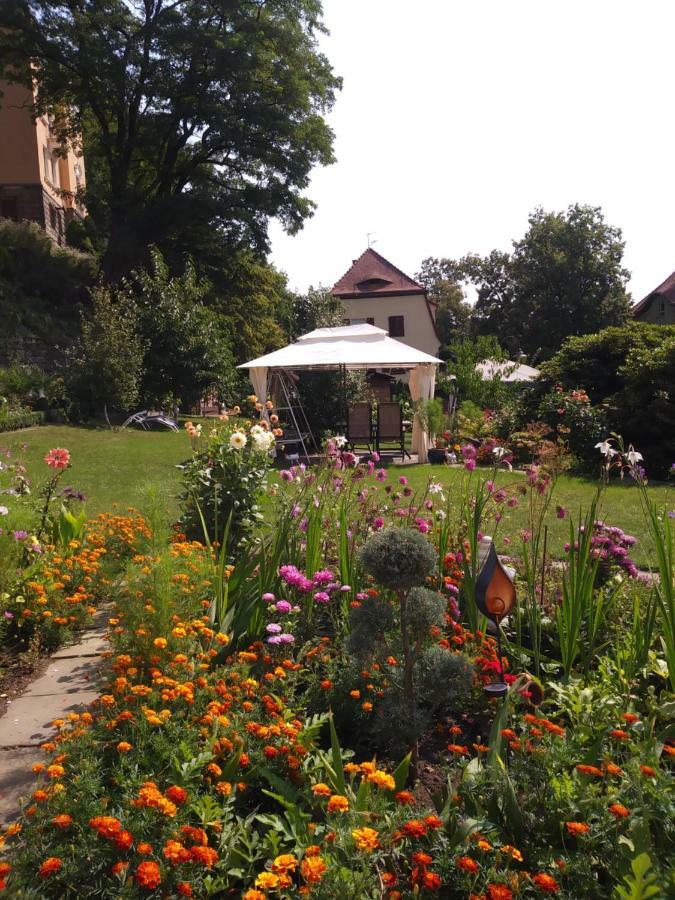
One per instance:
(669, 749)
(459, 749)
(148, 875)
(63, 820)
(51, 865)
(253, 895)
(631, 718)
(613, 769)
(284, 864)
(480, 748)
(205, 856)
(268, 881)
(120, 867)
(184, 889)
(144, 848)
(414, 828)
(513, 852)
(619, 734)
(498, 892)
(467, 864)
(123, 840)
(619, 811)
(389, 879)
(366, 839)
(404, 798)
(648, 771)
(433, 822)
(338, 803)
(509, 734)
(421, 859)
(124, 747)
(546, 883)
(589, 770)
(426, 879)
(176, 794)
(577, 828)
(312, 869)
(175, 852)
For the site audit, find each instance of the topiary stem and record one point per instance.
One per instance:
(408, 680)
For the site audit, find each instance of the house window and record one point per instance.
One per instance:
(53, 217)
(396, 326)
(9, 208)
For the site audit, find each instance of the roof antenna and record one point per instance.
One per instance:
(368, 236)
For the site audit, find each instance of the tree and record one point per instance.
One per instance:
(105, 364)
(442, 278)
(318, 308)
(564, 277)
(463, 357)
(188, 350)
(568, 278)
(196, 116)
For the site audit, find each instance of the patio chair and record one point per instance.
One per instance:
(390, 427)
(359, 426)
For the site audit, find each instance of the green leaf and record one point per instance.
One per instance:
(641, 882)
(336, 753)
(401, 772)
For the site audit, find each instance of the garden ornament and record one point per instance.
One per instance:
(495, 598)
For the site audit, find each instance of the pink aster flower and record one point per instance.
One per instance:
(58, 458)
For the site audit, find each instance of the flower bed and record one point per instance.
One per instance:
(215, 761)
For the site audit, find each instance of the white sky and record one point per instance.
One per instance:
(458, 117)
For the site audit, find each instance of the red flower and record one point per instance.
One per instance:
(50, 866)
(546, 883)
(148, 875)
(176, 794)
(466, 864)
(58, 458)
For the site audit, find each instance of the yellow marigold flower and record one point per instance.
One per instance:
(268, 881)
(513, 852)
(284, 863)
(366, 839)
(382, 779)
(321, 790)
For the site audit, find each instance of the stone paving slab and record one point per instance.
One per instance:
(16, 779)
(92, 644)
(27, 722)
(64, 677)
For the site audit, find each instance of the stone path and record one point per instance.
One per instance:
(68, 685)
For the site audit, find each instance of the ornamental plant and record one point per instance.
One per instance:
(225, 476)
(400, 623)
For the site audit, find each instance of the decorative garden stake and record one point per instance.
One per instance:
(495, 598)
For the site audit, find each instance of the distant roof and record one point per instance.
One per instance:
(372, 275)
(665, 290)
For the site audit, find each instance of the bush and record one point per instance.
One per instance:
(630, 370)
(398, 558)
(15, 419)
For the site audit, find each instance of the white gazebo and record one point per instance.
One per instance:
(507, 371)
(353, 347)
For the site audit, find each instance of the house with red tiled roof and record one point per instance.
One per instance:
(376, 292)
(658, 308)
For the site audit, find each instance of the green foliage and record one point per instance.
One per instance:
(442, 279)
(463, 357)
(15, 419)
(42, 289)
(105, 365)
(187, 350)
(203, 121)
(564, 277)
(629, 371)
(398, 558)
(222, 482)
(576, 420)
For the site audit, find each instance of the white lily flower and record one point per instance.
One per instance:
(633, 456)
(435, 487)
(340, 440)
(606, 448)
(4, 511)
(499, 452)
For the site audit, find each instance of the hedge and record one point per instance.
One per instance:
(16, 419)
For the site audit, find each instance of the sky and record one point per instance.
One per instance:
(458, 117)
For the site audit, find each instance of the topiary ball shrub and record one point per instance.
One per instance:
(368, 623)
(398, 558)
(424, 609)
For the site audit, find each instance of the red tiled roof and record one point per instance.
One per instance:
(372, 275)
(665, 290)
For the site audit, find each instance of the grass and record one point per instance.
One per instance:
(119, 469)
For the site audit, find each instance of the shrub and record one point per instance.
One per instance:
(571, 414)
(15, 419)
(398, 558)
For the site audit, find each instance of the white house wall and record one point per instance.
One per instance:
(419, 329)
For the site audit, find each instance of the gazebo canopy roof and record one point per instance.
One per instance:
(351, 346)
(506, 370)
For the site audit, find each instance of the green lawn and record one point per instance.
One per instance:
(118, 468)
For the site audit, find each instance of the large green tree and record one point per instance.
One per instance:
(564, 277)
(200, 118)
(442, 278)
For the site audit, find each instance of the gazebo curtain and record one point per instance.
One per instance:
(258, 378)
(422, 385)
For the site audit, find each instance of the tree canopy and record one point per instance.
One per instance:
(564, 277)
(197, 116)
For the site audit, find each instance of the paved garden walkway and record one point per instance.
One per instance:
(68, 685)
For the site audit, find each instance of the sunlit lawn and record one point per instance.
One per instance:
(118, 469)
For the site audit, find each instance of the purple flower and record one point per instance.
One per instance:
(378, 523)
(8, 614)
(380, 475)
(469, 451)
(512, 502)
(283, 606)
(269, 598)
(470, 465)
(322, 597)
(323, 576)
(362, 595)
(375, 456)
(20, 535)
(286, 475)
(525, 535)
(490, 486)
(560, 512)
(275, 639)
(286, 639)
(273, 628)
(402, 480)
(345, 588)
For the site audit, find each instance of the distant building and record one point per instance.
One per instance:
(658, 308)
(375, 292)
(39, 176)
